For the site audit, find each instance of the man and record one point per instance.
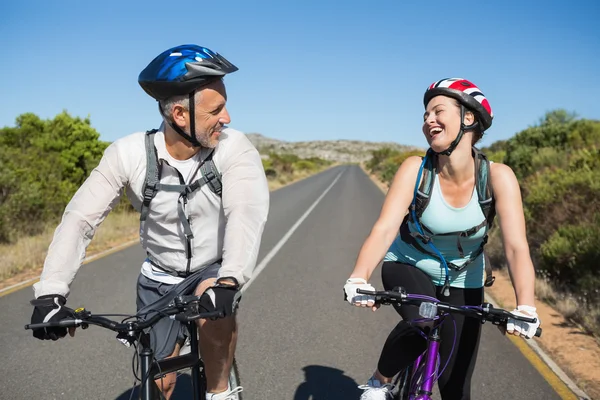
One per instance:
(203, 198)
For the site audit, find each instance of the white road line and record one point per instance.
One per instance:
(285, 238)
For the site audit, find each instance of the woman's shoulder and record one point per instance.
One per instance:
(408, 170)
(500, 170)
(502, 176)
(411, 164)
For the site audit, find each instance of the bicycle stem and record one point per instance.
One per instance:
(429, 374)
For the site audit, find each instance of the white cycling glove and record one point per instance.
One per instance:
(526, 329)
(352, 284)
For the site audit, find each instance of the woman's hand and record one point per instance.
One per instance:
(521, 328)
(356, 299)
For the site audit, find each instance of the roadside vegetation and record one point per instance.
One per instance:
(557, 162)
(282, 169)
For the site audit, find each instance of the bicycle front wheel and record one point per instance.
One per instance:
(402, 385)
(234, 379)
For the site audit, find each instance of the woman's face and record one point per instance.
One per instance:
(441, 122)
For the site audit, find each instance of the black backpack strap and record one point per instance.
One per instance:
(489, 277)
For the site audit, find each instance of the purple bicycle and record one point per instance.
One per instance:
(416, 382)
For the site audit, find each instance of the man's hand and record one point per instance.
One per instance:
(224, 297)
(50, 308)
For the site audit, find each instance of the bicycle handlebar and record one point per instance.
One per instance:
(184, 309)
(485, 312)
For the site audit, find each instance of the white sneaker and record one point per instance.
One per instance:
(375, 390)
(226, 395)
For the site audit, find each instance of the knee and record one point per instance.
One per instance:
(424, 327)
(166, 384)
(405, 328)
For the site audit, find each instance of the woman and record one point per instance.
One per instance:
(456, 115)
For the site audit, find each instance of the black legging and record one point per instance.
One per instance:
(405, 343)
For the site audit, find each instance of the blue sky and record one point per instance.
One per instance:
(309, 70)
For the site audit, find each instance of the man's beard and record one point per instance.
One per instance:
(207, 141)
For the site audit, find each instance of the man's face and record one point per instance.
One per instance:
(211, 113)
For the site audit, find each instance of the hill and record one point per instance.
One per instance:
(345, 151)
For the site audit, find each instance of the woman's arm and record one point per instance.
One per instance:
(509, 208)
(394, 209)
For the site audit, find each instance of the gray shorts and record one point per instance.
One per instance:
(152, 295)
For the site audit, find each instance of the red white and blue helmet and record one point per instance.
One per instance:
(183, 69)
(466, 93)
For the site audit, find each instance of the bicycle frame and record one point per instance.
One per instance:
(428, 371)
(153, 370)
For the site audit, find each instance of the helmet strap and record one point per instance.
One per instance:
(461, 132)
(190, 138)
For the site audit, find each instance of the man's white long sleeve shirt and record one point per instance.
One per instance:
(226, 229)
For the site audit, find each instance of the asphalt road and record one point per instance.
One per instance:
(298, 339)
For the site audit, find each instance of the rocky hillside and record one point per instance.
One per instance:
(351, 151)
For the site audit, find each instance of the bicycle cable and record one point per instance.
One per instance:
(451, 350)
(133, 367)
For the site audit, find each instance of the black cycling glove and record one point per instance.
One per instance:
(50, 308)
(224, 298)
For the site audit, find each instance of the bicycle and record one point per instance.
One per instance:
(416, 382)
(184, 309)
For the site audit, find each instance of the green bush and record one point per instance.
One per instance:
(43, 164)
(570, 256)
(284, 166)
(305, 165)
(385, 162)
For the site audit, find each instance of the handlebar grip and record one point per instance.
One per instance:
(65, 323)
(362, 291)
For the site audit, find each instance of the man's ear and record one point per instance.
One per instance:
(178, 113)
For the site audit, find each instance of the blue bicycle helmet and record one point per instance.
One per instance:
(183, 69)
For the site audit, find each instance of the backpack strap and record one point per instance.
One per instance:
(422, 196)
(485, 194)
(152, 177)
(423, 190)
(483, 185)
(210, 176)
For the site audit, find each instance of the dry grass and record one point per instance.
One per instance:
(285, 179)
(29, 252)
(576, 311)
